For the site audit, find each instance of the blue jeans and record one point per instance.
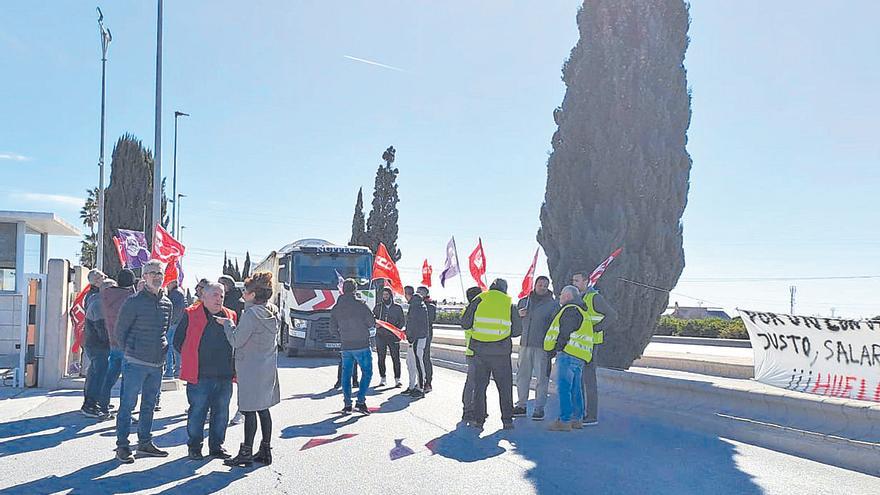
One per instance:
(172, 358)
(114, 369)
(210, 394)
(364, 359)
(143, 380)
(571, 398)
(96, 375)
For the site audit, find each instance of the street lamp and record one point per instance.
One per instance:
(180, 234)
(174, 176)
(106, 37)
(177, 220)
(157, 148)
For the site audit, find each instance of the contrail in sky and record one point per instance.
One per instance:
(398, 69)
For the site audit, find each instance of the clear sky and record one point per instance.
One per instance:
(289, 119)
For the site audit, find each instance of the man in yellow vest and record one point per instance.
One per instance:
(600, 305)
(492, 319)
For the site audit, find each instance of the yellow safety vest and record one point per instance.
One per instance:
(492, 318)
(467, 340)
(581, 341)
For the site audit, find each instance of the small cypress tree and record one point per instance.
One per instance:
(246, 269)
(382, 222)
(358, 223)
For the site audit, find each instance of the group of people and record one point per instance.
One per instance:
(149, 331)
(568, 329)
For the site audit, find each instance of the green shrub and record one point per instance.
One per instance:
(448, 317)
(706, 327)
(734, 329)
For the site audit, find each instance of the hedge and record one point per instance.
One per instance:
(706, 327)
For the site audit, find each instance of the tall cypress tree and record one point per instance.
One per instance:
(618, 174)
(382, 222)
(358, 223)
(246, 269)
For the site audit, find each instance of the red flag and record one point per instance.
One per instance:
(169, 251)
(594, 277)
(426, 274)
(119, 251)
(529, 282)
(384, 267)
(78, 318)
(477, 261)
(391, 328)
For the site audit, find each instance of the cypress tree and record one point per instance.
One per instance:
(358, 223)
(382, 222)
(618, 174)
(246, 269)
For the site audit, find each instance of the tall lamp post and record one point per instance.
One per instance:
(177, 220)
(174, 175)
(106, 37)
(157, 148)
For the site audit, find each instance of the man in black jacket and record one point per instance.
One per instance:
(97, 347)
(417, 328)
(141, 327)
(353, 321)
(390, 312)
(431, 306)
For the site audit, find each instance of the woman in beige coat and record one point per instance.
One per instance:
(254, 341)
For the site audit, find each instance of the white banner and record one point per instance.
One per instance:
(823, 356)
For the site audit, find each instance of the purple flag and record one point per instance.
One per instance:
(134, 243)
(451, 268)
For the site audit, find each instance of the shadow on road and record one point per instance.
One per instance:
(329, 426)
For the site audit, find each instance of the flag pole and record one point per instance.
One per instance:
(458, 265)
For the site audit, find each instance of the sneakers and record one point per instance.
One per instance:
(382, 382)
(408, 391)
(361, 407)
(519, 411)
(577, 425)
(589, 422)
(428, 388)
(537, 415)
(508, 426)
(150, 450)
(195, 454)
(157, 408)
(560, 426)
(123, 455)
(397, 383)
(347, 409)
(337, 385)
(90, 411)
(416, 394)
(219, 453)
(237, 419)
(473, 423)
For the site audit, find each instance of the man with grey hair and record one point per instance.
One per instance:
(95, 277)
(140, 328)
(493, 319)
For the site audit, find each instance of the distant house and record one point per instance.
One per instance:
(696, 313)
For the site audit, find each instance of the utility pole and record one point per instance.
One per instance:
(792, 290)
(157, 147)
(174, 174)
(106, 37)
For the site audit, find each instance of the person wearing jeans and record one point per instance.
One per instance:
(97, 347)
(353, 321)
(143, 321)
(568, 382)
(112, 299)
(207, 367)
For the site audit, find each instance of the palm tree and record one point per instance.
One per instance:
(89, 215)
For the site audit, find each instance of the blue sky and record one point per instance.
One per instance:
(286, 125)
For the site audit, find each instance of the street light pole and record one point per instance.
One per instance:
(157, 148)
(177, 220)
(174, 175)
(106, 37)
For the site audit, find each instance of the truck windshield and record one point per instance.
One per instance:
(315, 269)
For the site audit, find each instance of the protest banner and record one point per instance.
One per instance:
(824, 356)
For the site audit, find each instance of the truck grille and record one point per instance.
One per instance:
(322, 330)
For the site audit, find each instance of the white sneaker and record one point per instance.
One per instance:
(397, 384)
(382, 382)
(237, 419)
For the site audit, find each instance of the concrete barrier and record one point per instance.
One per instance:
(839, 432)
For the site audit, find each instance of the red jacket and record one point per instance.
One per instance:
(189, 352)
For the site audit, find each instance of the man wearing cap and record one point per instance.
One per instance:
(493, 319)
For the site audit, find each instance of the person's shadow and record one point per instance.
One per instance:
(327, 427)
(71, 423)
(464, 444)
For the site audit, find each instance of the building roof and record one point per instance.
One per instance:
(40, 222)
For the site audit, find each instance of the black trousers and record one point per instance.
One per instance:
(384, 345)
(499, 368)
(429, 368)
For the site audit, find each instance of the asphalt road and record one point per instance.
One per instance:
(405, 447)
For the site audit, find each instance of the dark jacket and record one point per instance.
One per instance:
(352, 320)
(96, 338)
(569, 322)
(178, 303)
(417, 322)
(393, 314)
(143, 321)
(232, 300)
(431, 306)
(111, 302)
(92, 295)
(215, 353)
(540, 313)
(499, 348)
(600, 304)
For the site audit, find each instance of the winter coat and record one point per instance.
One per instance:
(201, 342)
(392, 314)
(111, 302)
(255, 340)
(540, 313)
(178, 303)
(96, 338)
(352, 320)
(417, 323)
(143, 322)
